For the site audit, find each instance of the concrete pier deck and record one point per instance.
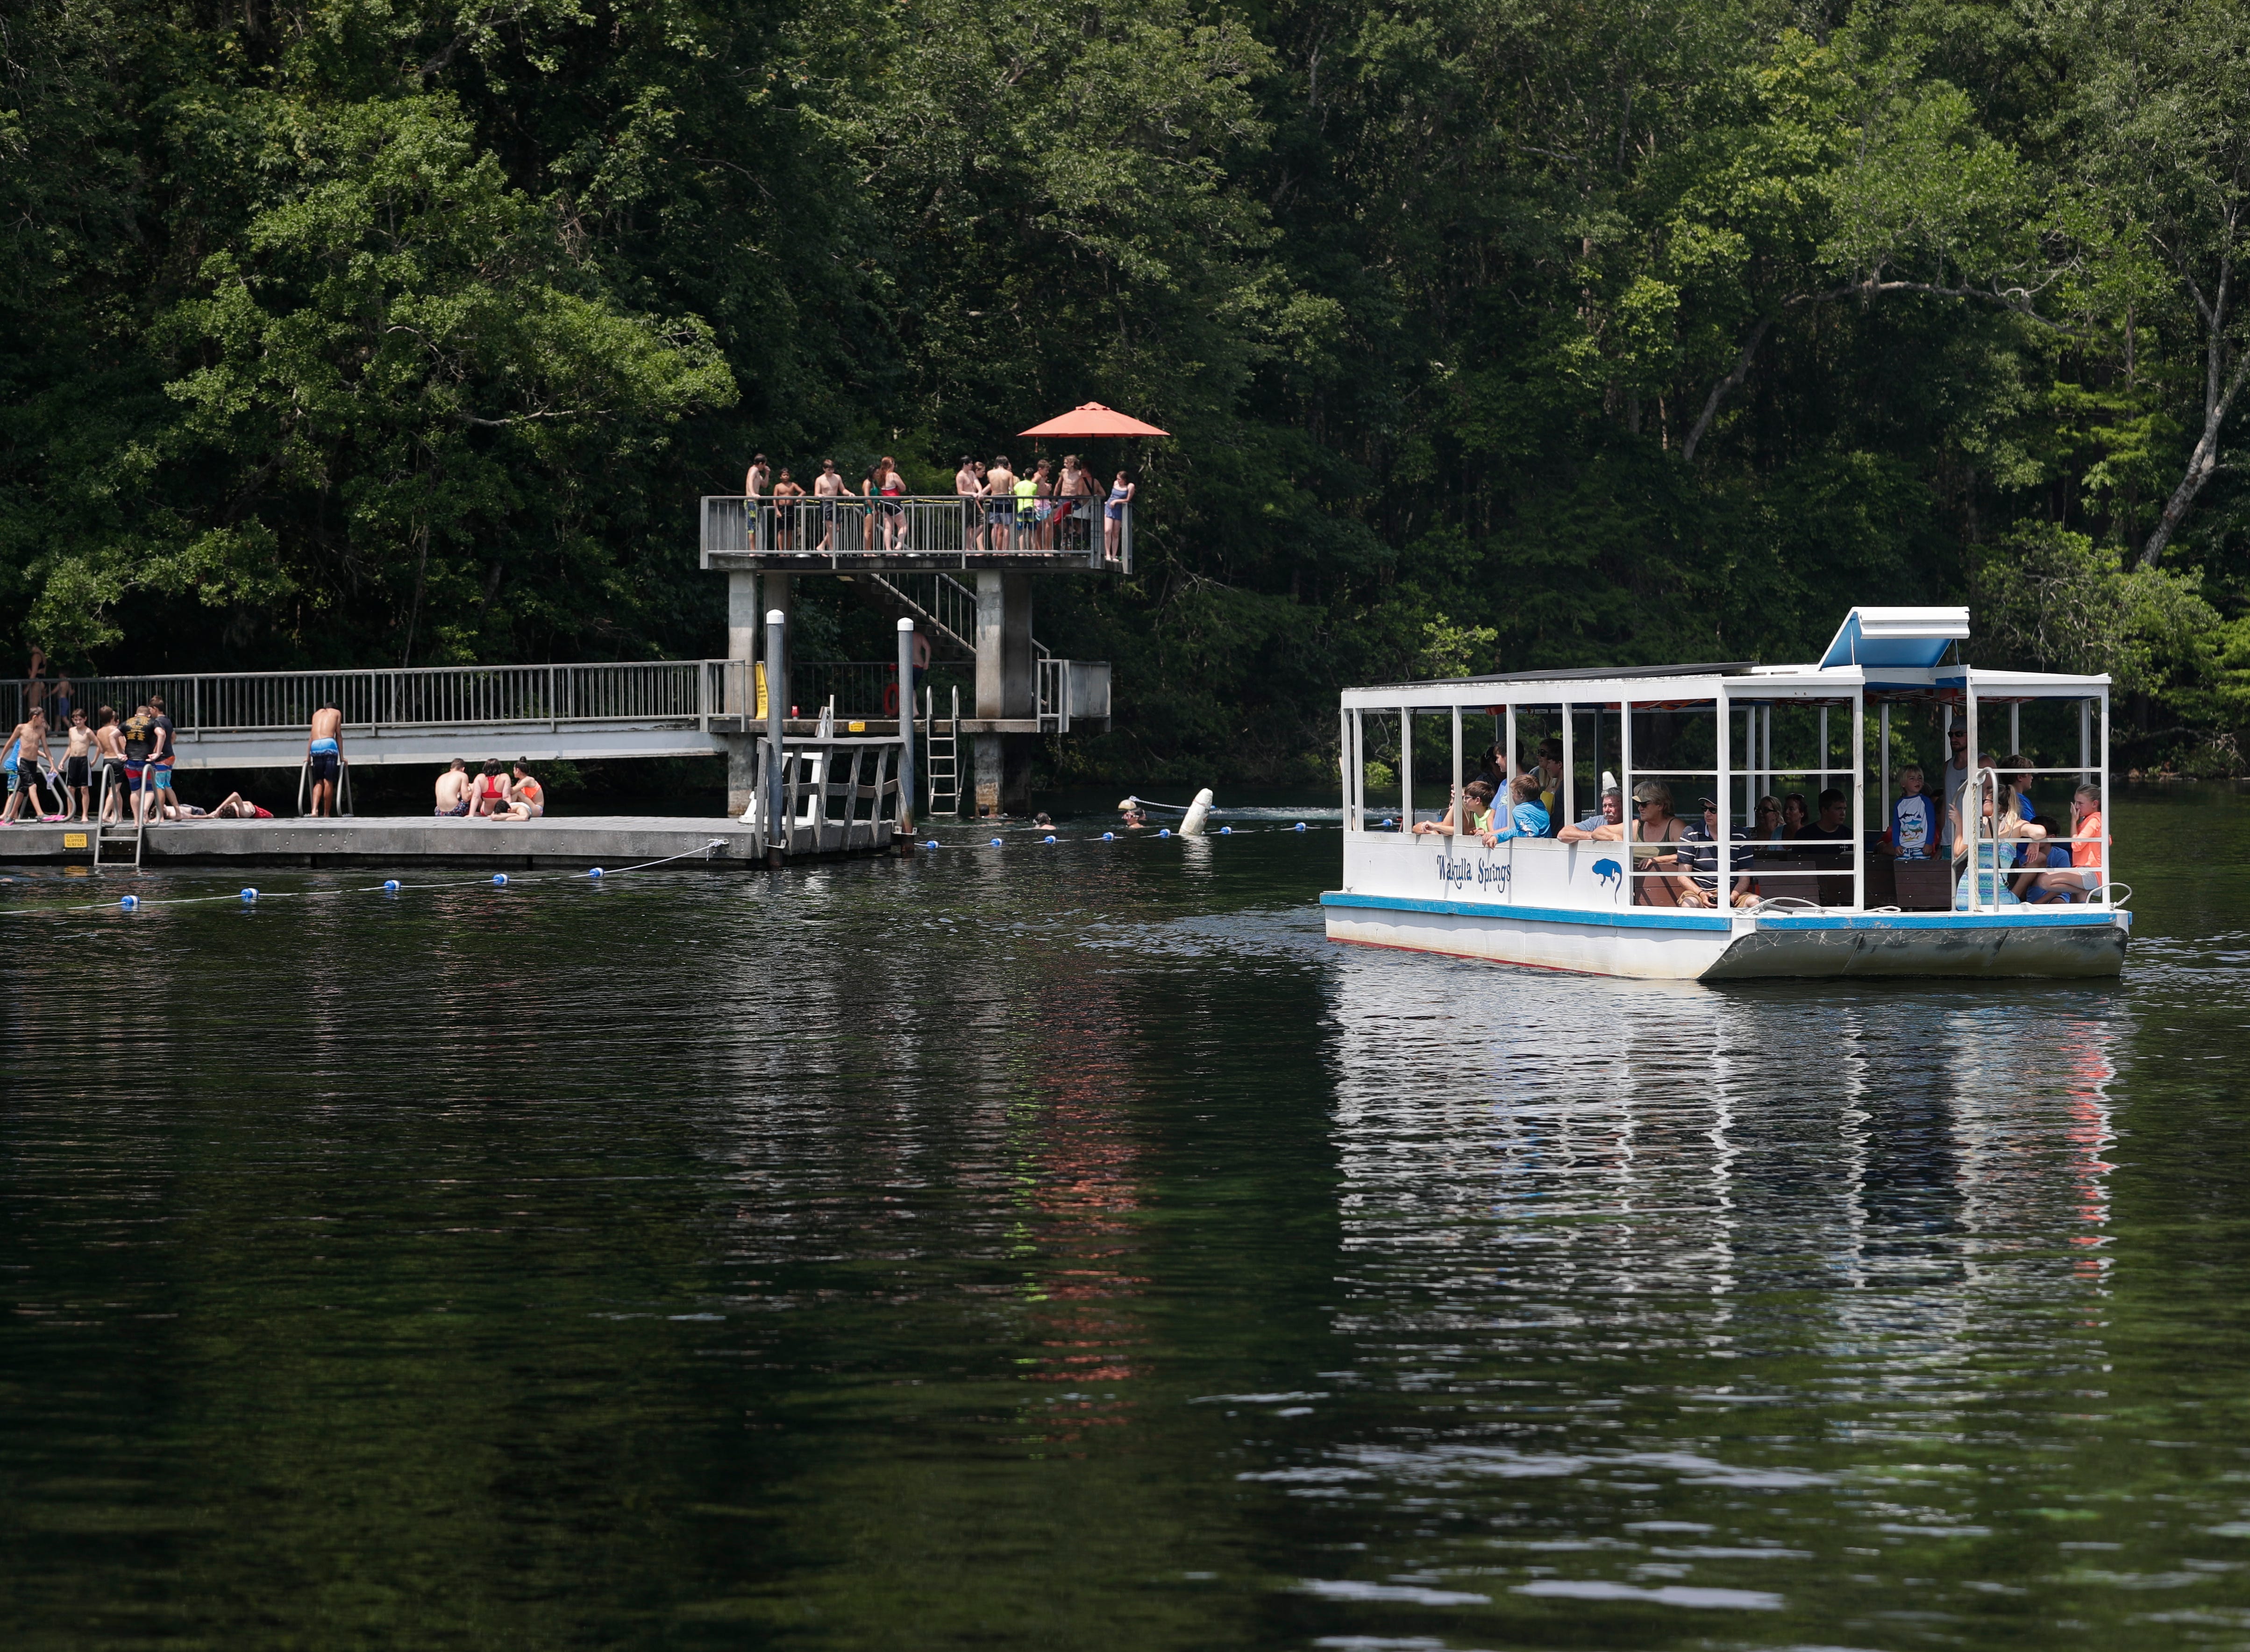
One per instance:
(580, 840)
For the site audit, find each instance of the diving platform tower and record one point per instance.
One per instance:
(962, 568)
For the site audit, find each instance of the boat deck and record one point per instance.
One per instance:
(578, 839)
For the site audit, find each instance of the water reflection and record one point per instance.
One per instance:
(1645, 1247)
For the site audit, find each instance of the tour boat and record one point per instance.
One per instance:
(1813, 905)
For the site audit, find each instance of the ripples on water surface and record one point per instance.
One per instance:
(1066, 1247)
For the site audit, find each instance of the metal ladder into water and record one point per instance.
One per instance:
(943, 765)
(123, 829)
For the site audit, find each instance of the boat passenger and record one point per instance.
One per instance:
(1915, 829)
(2085, 874)
(1476, 796)
(1796, 818)
(1525, 818)
(1654, 822)
(1954, 775)
(2000, 823)
(1548, 774)
(1699, 859)
(1606, 825)
(1768, 828)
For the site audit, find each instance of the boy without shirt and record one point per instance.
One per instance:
(1000, 485)
(77, 768)
(25, 751)
(453, 789)
(110, 744)
(828, 487)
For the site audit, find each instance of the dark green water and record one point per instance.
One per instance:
(1066, 1247)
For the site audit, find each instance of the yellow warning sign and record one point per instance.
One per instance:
(761, 712)
(73, 840)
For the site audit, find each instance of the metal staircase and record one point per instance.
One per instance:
(941, 764)
(939, 602)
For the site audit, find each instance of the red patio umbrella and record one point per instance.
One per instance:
(1093, 419)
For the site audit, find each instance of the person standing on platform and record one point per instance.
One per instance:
(1000, 503)
(1113, 516)
(111, 745)
(160, 754)
(755, 486)
(968, 485)
(78, 769)
(140, 735)
(828, 487)
(324, 755)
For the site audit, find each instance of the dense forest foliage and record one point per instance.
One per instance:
(1492, 334)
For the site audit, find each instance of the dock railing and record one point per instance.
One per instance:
(420, 696)
(922, 526)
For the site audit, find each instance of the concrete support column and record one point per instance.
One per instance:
(744, 620)
(1019, 692)
(992, 693)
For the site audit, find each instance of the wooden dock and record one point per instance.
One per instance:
(578, 840)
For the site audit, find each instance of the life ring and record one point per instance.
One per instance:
(891, 699)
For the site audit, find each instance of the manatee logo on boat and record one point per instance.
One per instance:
(1609, 871)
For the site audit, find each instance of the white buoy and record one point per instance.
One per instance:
(1199, 814)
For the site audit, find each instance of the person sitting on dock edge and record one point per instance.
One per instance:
(453, 789)
(527, 798)
(324, 757)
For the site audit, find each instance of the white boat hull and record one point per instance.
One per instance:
(1564, 908)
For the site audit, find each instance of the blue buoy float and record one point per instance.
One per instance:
(249, 894)
(129, 902)
(500, 880)
(1299, 827)
(996, 842)
(1226, 831)
(1387, 821)
(593, 871)
(931, 844)
(1049, 838)
(390, 885)
(1110, 837)
(1164, 831)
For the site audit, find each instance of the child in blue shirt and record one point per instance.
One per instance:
(1525, 817)
(1915, 821)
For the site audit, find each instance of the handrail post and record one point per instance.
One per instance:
(776, 840)
(1859, 799)
(905, 730)
(1721, 793)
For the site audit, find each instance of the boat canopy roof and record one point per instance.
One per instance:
(1884, 653)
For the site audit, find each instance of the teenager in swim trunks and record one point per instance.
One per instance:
(324, 757)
